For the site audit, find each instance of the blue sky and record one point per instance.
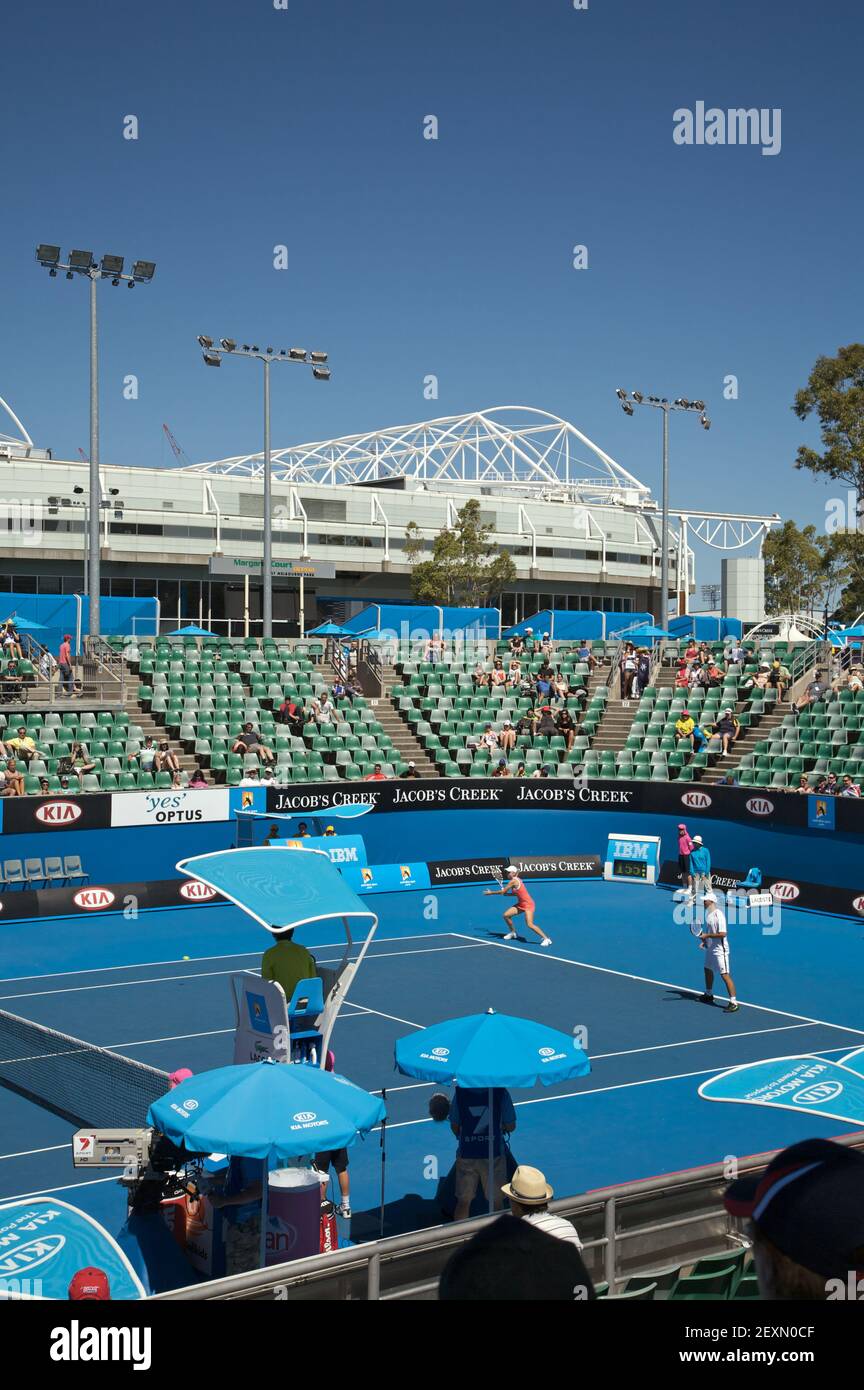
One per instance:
(406, 256)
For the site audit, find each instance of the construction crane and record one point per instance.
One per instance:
(179, 453)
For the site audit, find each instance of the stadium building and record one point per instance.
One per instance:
(583, 532)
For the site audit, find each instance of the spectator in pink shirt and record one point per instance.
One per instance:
(64, 662)
(685, 845)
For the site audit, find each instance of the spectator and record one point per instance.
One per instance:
(849, 787)
(547, 726)
(521, 771)
(302, 831)
(585, 656)
(528, 640)
(376, 775)
(410, 771)
(47, 666)
(338, 690)
(14, 779)
(566, 727)
(546, 645)
(643, 671)
(501, 768)
(814, 691)
(489, 738)
(514, 672)
(685, 849)
(499, 675)
(779, 677)
(470, 1121)
(725, 730)
(44, 787)
(11, 641)
(530, 1195)
(804, 784)
(145, 757)
(251, 778)
(700, 738)
(249, 741)
(507, 737)
(89, 1286)
(544, 772)
(542, 686)
(479, 675)
(517, 646)
(510, 1260)
(806, 1220)
(290, 713)
(272, 834)
(287, 962)
(64, 662)
(197, 779)
(177, 779)
(165, 760)
(832, 786)
(682, 677)
(23, 745)
(854, 681)
(323, 711)
(730, 780)
(81, 761)
(684, 727)
(628, 672)
(735, 655)
(528, 722)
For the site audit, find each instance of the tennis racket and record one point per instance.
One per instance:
(498, 875)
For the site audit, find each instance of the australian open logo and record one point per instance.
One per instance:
(819, 1094)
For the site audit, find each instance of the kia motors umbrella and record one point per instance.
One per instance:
(268, 1110)
(489, 1051)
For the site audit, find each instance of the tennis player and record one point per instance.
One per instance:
(524, 903)
(715, 943)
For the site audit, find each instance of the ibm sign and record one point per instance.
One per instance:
(632, 858)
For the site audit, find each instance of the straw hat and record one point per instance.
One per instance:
(529, 1187)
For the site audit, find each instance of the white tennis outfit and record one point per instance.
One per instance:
(717, 952)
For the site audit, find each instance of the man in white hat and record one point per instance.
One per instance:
(700, 867)
(410, 771)
(715, 943)
(530, 1195)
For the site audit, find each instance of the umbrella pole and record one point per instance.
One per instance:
(264, 1182)
(491, 1199)
(383, 1162)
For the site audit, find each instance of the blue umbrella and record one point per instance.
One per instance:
(330, 630)
(488, 1051)
(650, 631)
(268, 1110)
(191, 630)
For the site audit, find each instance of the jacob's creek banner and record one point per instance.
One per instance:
(560, 866)
(96, 898)
(789, 892)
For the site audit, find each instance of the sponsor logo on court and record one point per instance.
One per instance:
(304, 1116)
(819, 1094)
(33, 1253)
(58, 813)
(697, 801)
(196, 891)
(785, 891)
(758, 806)
(92, 899)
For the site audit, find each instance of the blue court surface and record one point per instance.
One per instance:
(619, 967)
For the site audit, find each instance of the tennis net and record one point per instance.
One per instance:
(87, 1085)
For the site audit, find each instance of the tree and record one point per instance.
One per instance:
(835, 392)
(793, 569)
(466, 569)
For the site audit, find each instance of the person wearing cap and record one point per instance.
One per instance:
(726, 730)
(524, 904)
(714, 941)
(805, 1216)
(684, 727)
(700, 866)
(530, 1195)
(507, 737)
(89, 1286)
(329, 830)
(410, 771)
(501, 768)
(685, 846)
(547, 726)
(779, 677)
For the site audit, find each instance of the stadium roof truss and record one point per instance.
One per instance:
(508, 446)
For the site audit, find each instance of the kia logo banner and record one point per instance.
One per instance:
(25, 814)
(96, 898)
(812, 897)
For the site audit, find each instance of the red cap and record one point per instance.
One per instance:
(90, 1286)
(183, 1074)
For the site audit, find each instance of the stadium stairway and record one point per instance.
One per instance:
(138, 714)
(406, 745)
(750, 736)
(617, 722)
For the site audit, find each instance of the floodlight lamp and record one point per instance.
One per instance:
(47, 255)
(318, 357)
(81, 260)
(212, 359)
(638, 397)
(627, 407)
(144, 271)
(699, 405)
(228, 344)
(705, 422)
(204, 341)
(620, 393)
(111, 266)
(321, 373)
(297, 354)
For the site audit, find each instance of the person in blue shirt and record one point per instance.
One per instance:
(700, 739)
(700, 866)
(469, 1121)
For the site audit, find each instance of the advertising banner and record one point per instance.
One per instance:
(26, 815)
(789, 892)
(93, 898)
(560, 866)
(385, 878)
(170, 807)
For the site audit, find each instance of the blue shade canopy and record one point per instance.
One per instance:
(651, 632)
(191, 630)
(848, 634)
(331, 630)
(268, 1110)
(50, 1241)
(279, 887)
(486, 1050)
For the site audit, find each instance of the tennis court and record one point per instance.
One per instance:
(620, 967)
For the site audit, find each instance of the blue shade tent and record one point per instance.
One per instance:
(848, 634)
(191, 630)
(487, 1051)
(331, 630)
(649, 633)
(44, 1242)
(280, 888)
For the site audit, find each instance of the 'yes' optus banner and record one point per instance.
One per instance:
(810, 1085)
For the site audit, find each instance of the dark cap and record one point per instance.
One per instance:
(809, 1202)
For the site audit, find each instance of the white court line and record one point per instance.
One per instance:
(717, 1037)
(27, 1153)
(666, 984)
(212, 974)
(231, 955)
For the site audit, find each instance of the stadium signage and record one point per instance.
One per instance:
(54, 813)
(562, 866)
(784, 890)
(444, 871)
(113, 897)
(170, 807)
(94, 899)
(196, 891)
(696, 801)
(758, 806)
(812, 897)
(286, 569)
